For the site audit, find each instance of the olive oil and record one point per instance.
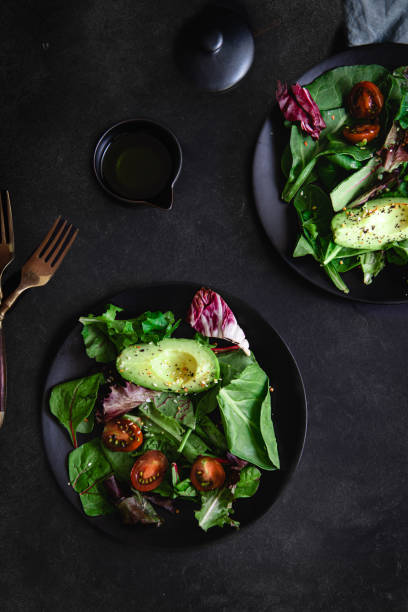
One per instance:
(137, 165)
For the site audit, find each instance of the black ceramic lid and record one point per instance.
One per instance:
(215, 49)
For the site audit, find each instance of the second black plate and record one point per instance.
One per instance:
(279, 218)
(288, 406)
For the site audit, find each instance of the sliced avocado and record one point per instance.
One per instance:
(373, 225)
(173, 364)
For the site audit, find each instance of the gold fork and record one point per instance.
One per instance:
(7, 236)
(36, 271)
(6, 257)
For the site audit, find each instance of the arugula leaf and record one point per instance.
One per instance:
(105, 336)
(248, 482)
(88, 467)
(72, 402)
(216, 507)
(245, 406)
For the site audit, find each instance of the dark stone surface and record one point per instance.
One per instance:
(337, 539)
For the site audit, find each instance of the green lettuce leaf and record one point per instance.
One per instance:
(371, 264)
(105, 336)
(216, 508)
(72, 402)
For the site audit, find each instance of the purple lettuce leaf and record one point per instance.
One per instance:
(395, 149)
(210, 315)
(297, 104)
(124, 399)
(115, 491)
(138, 509)
(133, 508)
(163, 502)
(235, 465)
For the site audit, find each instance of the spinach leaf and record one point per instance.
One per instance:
(330, 89)
(248, 482)
(245, 407)
(72, 402)
(173, 431)
(216, 507)
(88, 467)
(105, 336)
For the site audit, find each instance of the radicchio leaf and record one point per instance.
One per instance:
(124, 399)
(298, 105)
(210, 315)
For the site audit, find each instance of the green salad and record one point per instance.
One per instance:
(346, 168)
(162, 419)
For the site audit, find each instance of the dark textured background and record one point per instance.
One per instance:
(337, 539)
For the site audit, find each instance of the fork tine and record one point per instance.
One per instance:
(10, 220)
(62, 231)
(53, 255)
(57, 261)
(3, 228)
(47, 237)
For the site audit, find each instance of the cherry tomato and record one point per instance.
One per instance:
(122, 435)
(365, 100)
(364, 131)
(148, 471)
(207, 474)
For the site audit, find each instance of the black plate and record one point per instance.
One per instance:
(279, 218)
(289, 414)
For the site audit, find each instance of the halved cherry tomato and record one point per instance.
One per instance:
(207, 474)
(122, 435)
(364, 131)
(148, 471)
(365, 100)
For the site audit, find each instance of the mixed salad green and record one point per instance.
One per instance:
(198, 429)
(346, 168)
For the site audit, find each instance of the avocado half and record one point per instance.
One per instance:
(174, 364)
(372, 226)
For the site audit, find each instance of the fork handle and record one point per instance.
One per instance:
(3, 376)
(9, 301)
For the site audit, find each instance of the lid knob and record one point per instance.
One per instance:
(212, 40)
